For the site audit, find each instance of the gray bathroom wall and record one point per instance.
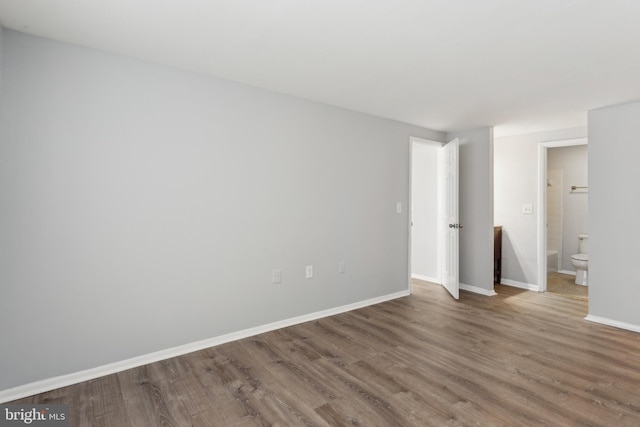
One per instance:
(614, 150)
(144, 207)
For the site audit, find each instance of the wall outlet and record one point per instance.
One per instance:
(527, 209)
(276, 276)
(309, 272)
(341, 267)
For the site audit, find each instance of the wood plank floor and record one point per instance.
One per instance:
(518, 358)
(564, 285)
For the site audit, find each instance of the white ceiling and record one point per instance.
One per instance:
(519, 65)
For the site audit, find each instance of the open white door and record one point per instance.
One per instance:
(448, 215)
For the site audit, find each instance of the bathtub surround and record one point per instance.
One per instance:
(555, 184)
(552, 260)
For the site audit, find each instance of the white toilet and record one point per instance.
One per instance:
(581, 260)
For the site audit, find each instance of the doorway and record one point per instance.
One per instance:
(434, 213)
(555, 245)
(424, 261)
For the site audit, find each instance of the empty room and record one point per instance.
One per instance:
(239, 213)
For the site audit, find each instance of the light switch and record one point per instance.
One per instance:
(399, 207)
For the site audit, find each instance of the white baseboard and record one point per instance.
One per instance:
(521, 285)
(477, 290)
(425, 278)
(571, 273)
(614, 323)
(111, 368)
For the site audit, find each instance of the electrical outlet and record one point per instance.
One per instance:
(527, 209)
(309, 272)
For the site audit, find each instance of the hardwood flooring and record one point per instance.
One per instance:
(518, 358)
(564, 285)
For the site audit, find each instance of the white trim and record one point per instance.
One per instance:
(425, 278)
(111, 368)
(571, 273)
(614, 323)
(542, 222)
(409, 210)
(565, 142)
(521, 285)
(477, 290)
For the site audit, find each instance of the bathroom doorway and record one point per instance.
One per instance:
(562, 194)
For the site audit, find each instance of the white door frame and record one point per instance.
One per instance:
(542, 203)
(413, 140)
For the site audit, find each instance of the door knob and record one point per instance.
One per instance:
(460, 226)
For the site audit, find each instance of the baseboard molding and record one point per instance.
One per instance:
(614, 323)
(112, 368)
(477, 290)
(425, 278)
(571, 273)
(521, 285)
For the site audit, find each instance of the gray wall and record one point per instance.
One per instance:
(614, 150)
(424, 210)
(144, 207)
(1, 54)
(476, 207)
(572, 161)
(516, 184)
